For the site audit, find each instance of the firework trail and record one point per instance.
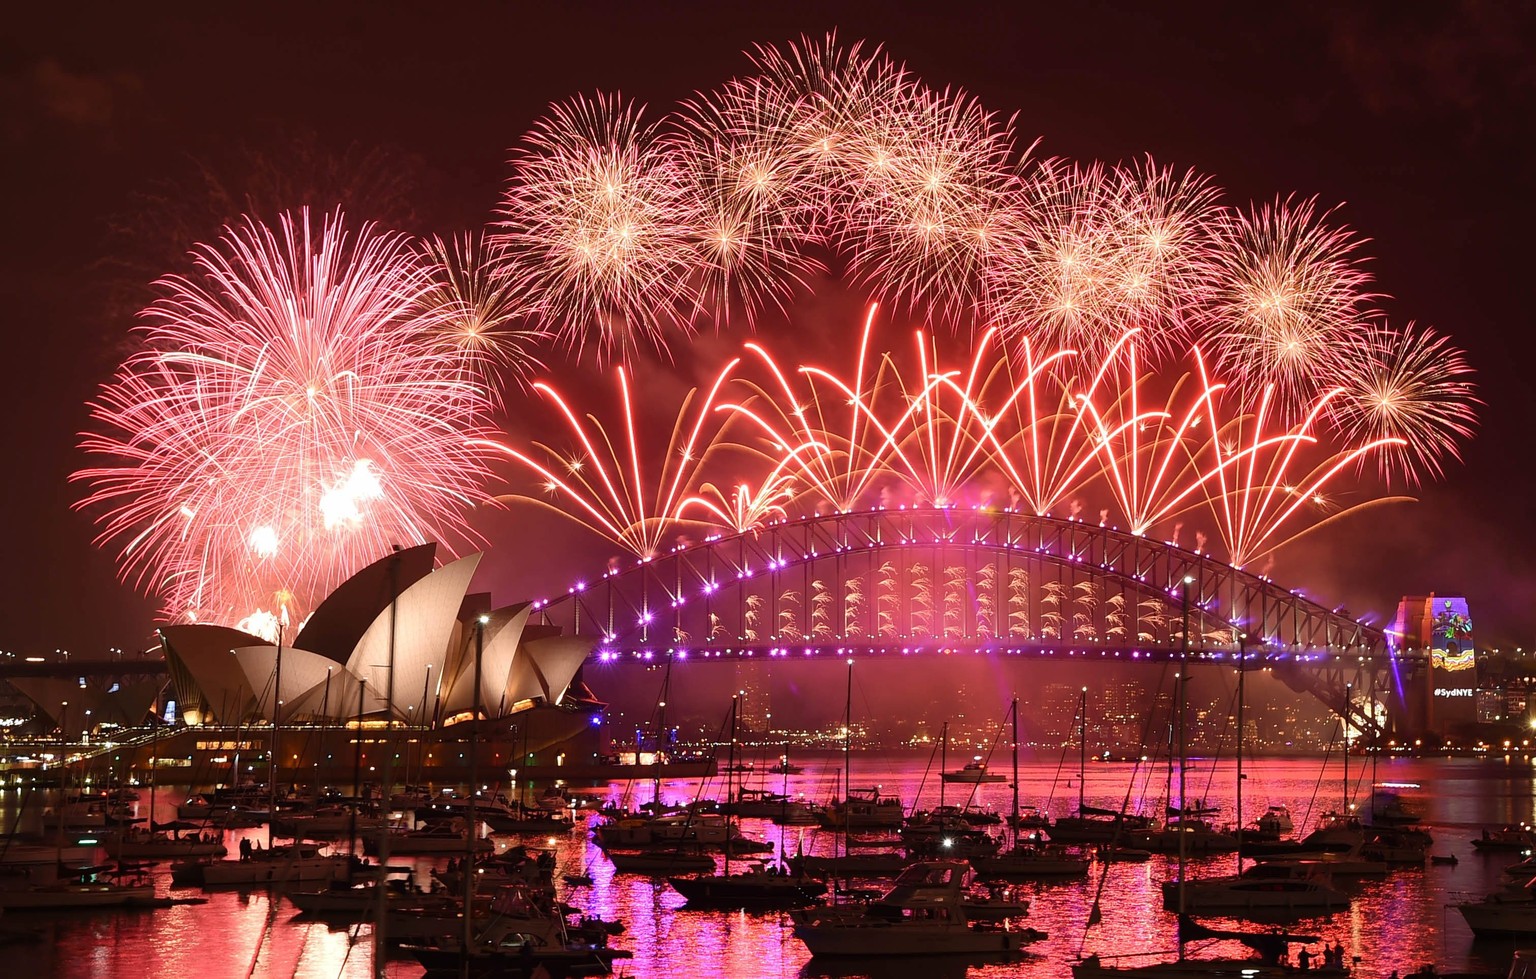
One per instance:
(479, 314)
(292, 416)
(606, 483)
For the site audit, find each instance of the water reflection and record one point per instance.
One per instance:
(1397, 922)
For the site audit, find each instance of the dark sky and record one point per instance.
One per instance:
(1414, 116)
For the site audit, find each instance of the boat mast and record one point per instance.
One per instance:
(730, 776)
(1082, 747)
(1344, 723)
(380, 944)
(847, 758)
(470, 835)
(943, 760)
(661, 738)
(1241, 673)
(1015, 712)
(272, 755)
(1183, 746)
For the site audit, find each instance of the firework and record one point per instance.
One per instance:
(744, 508)
(742, 169)
(1415, 386)
(932, 203)
(599, 230)
(608, 484)
(478, 312)
(1288, 303)
(291, 416)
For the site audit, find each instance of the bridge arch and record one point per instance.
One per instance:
(912, 580)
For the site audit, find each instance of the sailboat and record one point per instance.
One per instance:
(1027, 859)
(1093, 824)
(293, 863)
(176, 839)
(1271, 959)
(923, 914)
(758, 886)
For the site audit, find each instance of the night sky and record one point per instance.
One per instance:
(123, 127)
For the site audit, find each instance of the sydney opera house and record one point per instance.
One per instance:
(388, 671)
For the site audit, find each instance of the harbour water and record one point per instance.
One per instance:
(1398, 922)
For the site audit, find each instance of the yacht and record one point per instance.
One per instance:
(756, 887)
(1028, 860)
(1262, 887)
(923, 914)
(1507, 913)
(865, 808)
(974, 772)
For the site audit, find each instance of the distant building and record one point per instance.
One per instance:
(1443, 696)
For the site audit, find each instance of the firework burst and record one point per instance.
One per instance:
(480, 314)
(293, 415)
(1414, 386)
(1288, 303)
(598, 228)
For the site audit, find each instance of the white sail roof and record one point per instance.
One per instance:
(304, 683)
(503, 632)
(556, 660)
(413, 633)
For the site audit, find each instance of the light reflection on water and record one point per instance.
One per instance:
(1399, 922)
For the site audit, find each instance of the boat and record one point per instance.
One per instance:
(660, 862)
(757, 886)
(524, 933)
(1271, 949)
(995, 900)
(326, 822)
(850, 865)
(431, 838)
(783, 767)
(1028, 860)
(167, 841)
(922, 914)
(972, 773)
(84, 893)
(865, 808)
(1502, 914)
(1507, 838)
(1389, 809)
(1271, 959)
(362, 899)
(1262, 887)
(276, 865)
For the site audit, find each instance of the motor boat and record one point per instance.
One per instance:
(756, 887)
(922, 914)
(1262, 887)
(972, 773)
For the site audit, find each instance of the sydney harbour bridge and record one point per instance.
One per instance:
(907, 581)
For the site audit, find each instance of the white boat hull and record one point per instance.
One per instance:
(63, 897)
(1495, 917)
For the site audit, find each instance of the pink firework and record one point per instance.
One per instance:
(292, 416)
(609, 481)
(1413, 385)
(933, 198)
(598, 229)
(743, 171)
(480, 314)
(1289, 301)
